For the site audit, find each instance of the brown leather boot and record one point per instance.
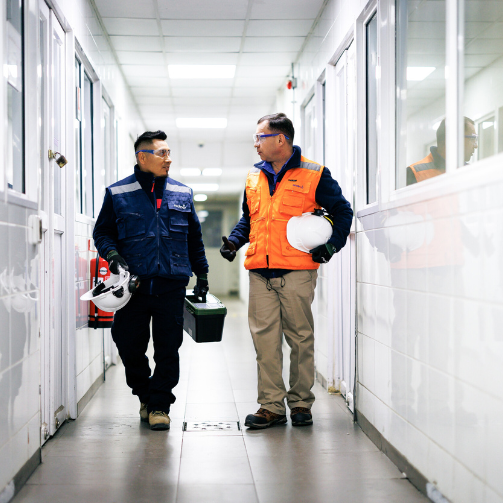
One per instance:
(301, 416)
(264, 418)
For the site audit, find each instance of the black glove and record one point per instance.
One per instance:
(323, 253)
(228, 250)
(114, 261)
(201, 288)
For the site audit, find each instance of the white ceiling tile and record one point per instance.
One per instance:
(201, 135)
(159, 109)
(202, 9)
(261, 82)
(253, 100)
(150, 91)
(138, 81)
(124, 26)
(201, 111)
(272, 44)
(206, 92)
(151, 100)
(208, 83)
(264, 92)
(201, 101)
(145, 71)
(140, 58)
(127, 8)
(279, 28)
(202, 44)
(123, 43)
(285, 9)
(194, 58)
(270, 71)
(267, 59)
(206, 28)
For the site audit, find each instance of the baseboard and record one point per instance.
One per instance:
(89, 394)
(19, 480)
(413, 474)
(321, 379)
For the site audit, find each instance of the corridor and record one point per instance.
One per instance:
(107, 455)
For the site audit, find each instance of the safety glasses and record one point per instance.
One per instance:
(257, 138)
(162, 152)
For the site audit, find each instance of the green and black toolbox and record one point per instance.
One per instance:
(203, 318)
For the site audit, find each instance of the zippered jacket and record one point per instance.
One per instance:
(166, 242)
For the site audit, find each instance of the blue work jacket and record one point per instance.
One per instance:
(165, 243)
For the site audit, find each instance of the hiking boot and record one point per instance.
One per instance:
(143, 412)
(264, 418)
(159, 420)
(301, 416)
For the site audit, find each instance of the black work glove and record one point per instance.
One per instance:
(323, 253)
(228, 250)
(114, 261)
(201, 288)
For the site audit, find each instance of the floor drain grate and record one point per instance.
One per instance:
(212, 426)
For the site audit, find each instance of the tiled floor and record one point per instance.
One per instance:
(107, 455)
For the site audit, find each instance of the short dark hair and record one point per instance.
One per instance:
(146, 139)
(441, 130)
(280, 123)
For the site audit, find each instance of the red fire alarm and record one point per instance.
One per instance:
(292, 83)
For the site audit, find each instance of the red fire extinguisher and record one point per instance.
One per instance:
(99, 273)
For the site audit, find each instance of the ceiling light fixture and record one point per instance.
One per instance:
(200, 198)
(212, 171)
(201, 123)
(201, 71)
(190, 172)
(418, 73)
(203, 187)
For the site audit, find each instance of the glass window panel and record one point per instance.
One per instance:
(87, 147)
(483, 80)
(41, 109)
(58, 117)
(420, 80)
(371, 161)
(15, 96)
(78, 147)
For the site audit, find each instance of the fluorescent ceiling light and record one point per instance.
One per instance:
(201, 123)
(190, 172)
(419, 72)
(202, 214)
(212, 171)
(203, 187)
(201, 71)
(200, 197)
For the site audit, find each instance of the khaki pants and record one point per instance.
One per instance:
(283, 306)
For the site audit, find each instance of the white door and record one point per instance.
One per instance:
(344, 269)
(52, 208)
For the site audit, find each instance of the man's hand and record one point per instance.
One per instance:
(114, 261)
(228, 250)
(323, 253)
(201, 288)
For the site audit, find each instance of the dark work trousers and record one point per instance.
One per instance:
(131, 334)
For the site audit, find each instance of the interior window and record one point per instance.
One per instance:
(371, 49)
(420, 93)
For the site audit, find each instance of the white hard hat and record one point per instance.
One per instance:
(308, 231)
(114, 293)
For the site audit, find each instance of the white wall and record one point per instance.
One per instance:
(430, 301)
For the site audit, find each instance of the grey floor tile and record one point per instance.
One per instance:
(211, 411)
(97, 492)
(212, 493)
(232, 470)
(212, 447)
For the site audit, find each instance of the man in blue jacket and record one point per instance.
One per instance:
(148, 225)
(282, 279)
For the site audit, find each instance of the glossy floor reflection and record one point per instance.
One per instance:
(107, 455)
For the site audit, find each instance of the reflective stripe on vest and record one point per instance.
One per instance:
(269, 216)
(425, 169)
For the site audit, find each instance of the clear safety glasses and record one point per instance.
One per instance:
(162, 152)
(257, 138)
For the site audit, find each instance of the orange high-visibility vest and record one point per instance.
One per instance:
(269, 215)
(425, 169)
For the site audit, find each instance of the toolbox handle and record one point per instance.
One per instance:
(202, 297)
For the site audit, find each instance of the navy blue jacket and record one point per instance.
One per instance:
(328, 195)
(158, 245)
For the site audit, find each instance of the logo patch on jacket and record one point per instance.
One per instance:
(292, 180)
(180, 206)
(298, 186)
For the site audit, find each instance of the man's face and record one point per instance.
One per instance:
(151, 163)
(470, 143)
(267, 148)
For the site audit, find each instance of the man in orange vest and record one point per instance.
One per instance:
(282, 279)
(434, 163)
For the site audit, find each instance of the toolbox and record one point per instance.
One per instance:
(203, 318)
